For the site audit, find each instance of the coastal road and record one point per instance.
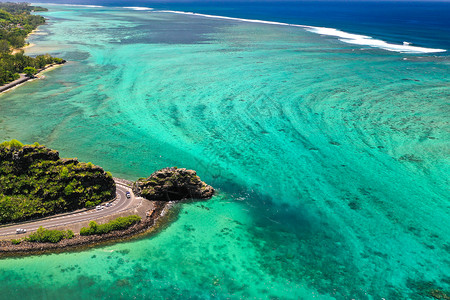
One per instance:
(14, 83)
(121, 203)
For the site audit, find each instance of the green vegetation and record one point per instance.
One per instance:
(35, 182)
(30, 71)
(170, 184)
(13, 144)
(16, 23)
(20, 8)
(120, 223)
(16, 241)
(12, 65)
(43, 235)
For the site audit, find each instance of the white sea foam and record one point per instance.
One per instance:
(343, 36)
(369, 41)
(138, 8)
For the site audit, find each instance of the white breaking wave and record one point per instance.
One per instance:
(343, 36)
(138, 8)
(369, 41)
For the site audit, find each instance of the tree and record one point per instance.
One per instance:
(30, 71)
(4, 46)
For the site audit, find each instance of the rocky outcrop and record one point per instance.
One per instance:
(27, 154)
(171, 184)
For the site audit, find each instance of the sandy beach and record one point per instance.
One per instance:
(28, 45)
(23, 48)
(16, 83)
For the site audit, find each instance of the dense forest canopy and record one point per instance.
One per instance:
(35, 182)
(16, 23)
(18, 8)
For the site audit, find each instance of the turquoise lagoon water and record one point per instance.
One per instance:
(330, 159)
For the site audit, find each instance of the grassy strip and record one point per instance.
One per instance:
(43, 235)
(120, 223)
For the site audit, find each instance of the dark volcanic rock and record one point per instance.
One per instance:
(171, 184)
(26, 155)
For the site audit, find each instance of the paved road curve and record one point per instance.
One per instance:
(121, 203)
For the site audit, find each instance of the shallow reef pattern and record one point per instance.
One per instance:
(329, 159)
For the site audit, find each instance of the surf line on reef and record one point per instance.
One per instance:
(349, 38)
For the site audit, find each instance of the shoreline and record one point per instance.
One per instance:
(18, 82)
(154, 221)
(28, 45)
(18, 50)
(13, 84)
(151, 199)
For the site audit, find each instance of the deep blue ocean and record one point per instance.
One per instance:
(422, 23)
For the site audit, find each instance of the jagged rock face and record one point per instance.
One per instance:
(173, 184)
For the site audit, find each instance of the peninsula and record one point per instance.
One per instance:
(48, 203)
